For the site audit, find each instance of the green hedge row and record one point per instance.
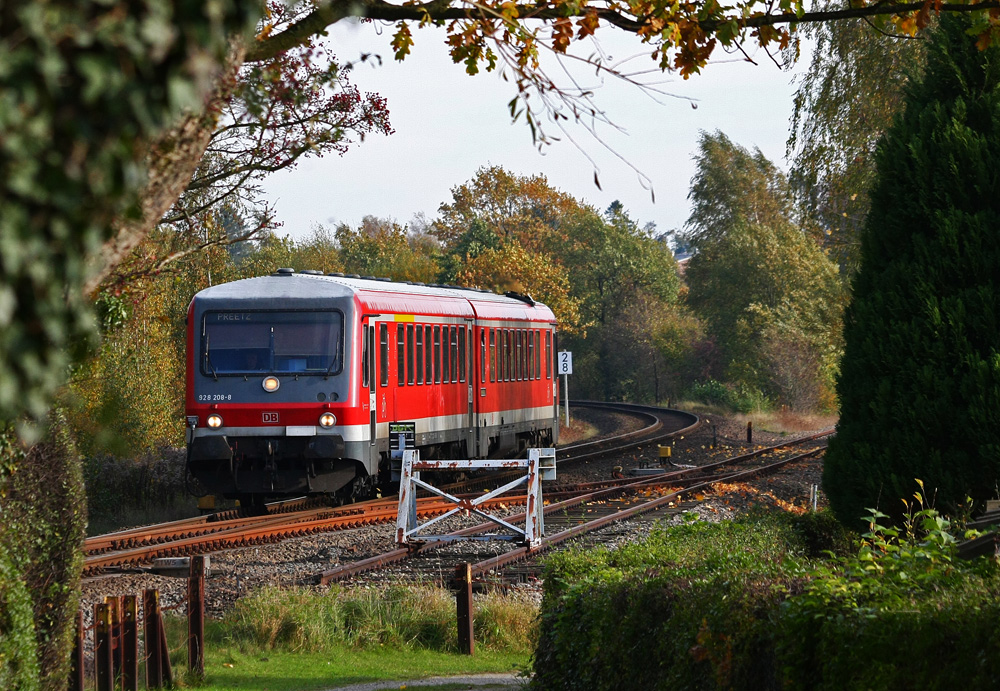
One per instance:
(749, 605)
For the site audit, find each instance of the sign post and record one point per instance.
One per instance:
(566, 369)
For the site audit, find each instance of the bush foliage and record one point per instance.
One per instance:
(747, 605)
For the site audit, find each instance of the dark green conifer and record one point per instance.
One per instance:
(920, 379)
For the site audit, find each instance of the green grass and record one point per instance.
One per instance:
(296, 638)
(228, 668)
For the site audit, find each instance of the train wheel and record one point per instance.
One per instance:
(252, 505)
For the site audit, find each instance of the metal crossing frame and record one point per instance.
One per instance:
(540, 465)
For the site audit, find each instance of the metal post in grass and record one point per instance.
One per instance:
(130, 643)
(76, 680)
(463, 600)
(104, 678)
(151, 637)
(196, 616)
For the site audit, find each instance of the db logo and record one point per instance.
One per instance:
(269, 418)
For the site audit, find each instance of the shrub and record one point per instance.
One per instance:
(920, 377)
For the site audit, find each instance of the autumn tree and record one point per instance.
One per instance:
(846, 100)
(769, 295)
(381, 247)
(920, 380)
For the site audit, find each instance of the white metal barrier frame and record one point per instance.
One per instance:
(540, 465)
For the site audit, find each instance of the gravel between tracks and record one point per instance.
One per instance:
(297, 561)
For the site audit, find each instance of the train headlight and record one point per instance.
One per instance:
(327, 420)
(271, 384)
(215, 421)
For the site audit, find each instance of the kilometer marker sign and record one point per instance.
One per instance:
(564, 366)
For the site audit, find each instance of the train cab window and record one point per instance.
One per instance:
(493, 354)
(437, 354)
(420, 354)
(365, 354)
(400, 355)
(255, 342)
(548, 354)
(383, 354)
(461, 354)
(409, 354)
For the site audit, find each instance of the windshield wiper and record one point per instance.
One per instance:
(208, 358)
(333, 361)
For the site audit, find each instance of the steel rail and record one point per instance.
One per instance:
(401, 554)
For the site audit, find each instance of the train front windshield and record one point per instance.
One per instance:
(239, 343)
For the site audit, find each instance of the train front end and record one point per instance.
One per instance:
(269, 393)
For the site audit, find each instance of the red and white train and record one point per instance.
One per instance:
(299, 382)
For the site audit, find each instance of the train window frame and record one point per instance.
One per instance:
(445, 356)
(383, 365)
(409, 355)
(503, 354)
(364, 356)
(538, 354)
(462, 357)
(482, 355)
(428, 354)
(400, 355)
(420, 353)
(493, 355)
(531, 355)
(437, 354)
(207, 369)
(454, 354)
(548, 354)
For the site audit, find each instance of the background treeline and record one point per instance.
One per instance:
(754, 320)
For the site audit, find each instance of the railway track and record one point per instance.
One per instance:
(587, 509)
(135, 547)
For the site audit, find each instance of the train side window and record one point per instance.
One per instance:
(462, 358)
(420, 354)
(445, 364)
(400, 356)
(503, 355)
(538, 354)
(493, 354)
(437, 354)
(518, 360)
(548, 354)
(409, 354)
(482, 355)
(454, 354)
(522, 341)
(364, 356)
(383, 364)
(428, 355)
(531, 354)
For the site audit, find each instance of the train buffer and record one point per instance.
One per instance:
(539, 465)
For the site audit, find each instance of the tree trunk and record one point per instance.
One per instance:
(173, 159)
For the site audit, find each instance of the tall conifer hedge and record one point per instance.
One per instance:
(920, 379)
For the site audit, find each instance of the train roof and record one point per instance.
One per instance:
(314, 290)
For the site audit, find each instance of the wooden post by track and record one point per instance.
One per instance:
(749, 431)
(196, 616)
(115, 605)
(76, 680)
(151, 637)
(463, 600)
(104, 678)
(130, 643)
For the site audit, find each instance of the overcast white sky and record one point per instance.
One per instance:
(449, 124)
